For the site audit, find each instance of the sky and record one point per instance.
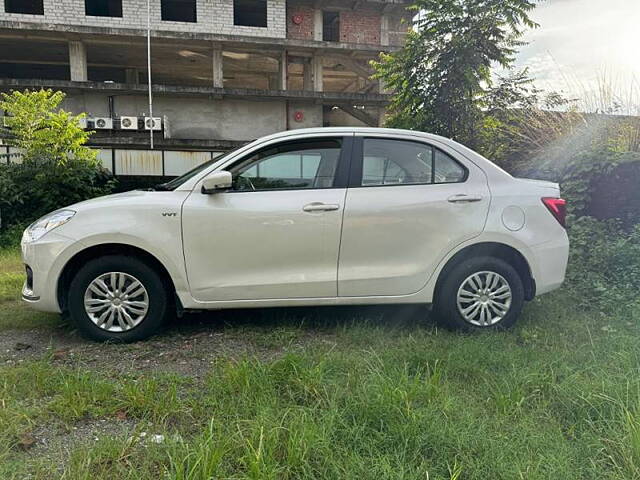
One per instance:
(581, 42)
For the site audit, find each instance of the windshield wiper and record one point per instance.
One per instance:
(162, 187)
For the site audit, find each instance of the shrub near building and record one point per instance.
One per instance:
(56, 167)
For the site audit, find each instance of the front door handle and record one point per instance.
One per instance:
(463, 198)
(320, 207)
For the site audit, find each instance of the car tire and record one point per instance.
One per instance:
(117, 298)
(481, 293)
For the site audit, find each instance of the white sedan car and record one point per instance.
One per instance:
(326, 216)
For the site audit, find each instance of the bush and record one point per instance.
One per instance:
(57, 167)
(36, 187)
(604, 265)
(42, 130)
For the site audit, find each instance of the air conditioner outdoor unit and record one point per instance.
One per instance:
(82, 123)
(154, 123)
(103, 123)
(129, 123)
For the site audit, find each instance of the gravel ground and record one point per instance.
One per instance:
(189, 345)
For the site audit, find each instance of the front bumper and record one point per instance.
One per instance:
(46, 259)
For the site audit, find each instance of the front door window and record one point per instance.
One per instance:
(309, 164)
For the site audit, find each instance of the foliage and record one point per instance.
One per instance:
(41, 130)
(585, 171)
(527, 130)
(441, 76)
(36, 187)
(604, 267)
(11, 235)
(56, 168)
(521, 120)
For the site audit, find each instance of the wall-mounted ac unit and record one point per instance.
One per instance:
(82, 123)
(154, 123)
(103, 123)
(129, 123)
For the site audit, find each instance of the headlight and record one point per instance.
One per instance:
(47, 223)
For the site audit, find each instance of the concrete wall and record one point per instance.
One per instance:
(397, 28)
(311, 115)
(363, 26)
(305, 29)
(339, 117)
(214, 16)
(360, 26)
(205, 119)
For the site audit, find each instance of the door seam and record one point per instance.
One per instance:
(344, 210)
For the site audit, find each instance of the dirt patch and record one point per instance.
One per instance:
(188, 354)
(187, 346)
(57, 440)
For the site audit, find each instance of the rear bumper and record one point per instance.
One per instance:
(550, 261)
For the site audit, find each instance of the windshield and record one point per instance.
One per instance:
(176, 182)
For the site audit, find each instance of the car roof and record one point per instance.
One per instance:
(460, 148)
(365, 130)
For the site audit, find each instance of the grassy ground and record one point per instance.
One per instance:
(377, 393)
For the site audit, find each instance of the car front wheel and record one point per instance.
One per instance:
(117, 298)
(480, 293)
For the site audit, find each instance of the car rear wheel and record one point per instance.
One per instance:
(117, 298)
(480, 293)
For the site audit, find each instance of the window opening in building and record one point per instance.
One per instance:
(250, 13)
(331, 26)
(103, 8)
(30, 7)
(179, 10)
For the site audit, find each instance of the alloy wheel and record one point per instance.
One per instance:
(484, 298)
(116, 301)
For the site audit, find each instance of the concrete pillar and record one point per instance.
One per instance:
(216, 65)
(317, 25)
(274, 82)
(132, 76)
(307, 78)
(77, 62)
(283, 70)
(317, 68)
(384, 30)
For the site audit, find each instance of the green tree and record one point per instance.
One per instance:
(57, 168)
(441, 76)
(41, 130)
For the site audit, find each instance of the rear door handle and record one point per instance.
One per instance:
(463, 198)
(320, 207)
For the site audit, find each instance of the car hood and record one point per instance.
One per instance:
(115, 198)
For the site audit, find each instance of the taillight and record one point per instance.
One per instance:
(558, 208)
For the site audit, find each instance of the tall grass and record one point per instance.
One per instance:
(547, 134)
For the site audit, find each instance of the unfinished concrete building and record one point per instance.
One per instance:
(223, 71)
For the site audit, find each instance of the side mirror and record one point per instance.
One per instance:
(217, 181)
